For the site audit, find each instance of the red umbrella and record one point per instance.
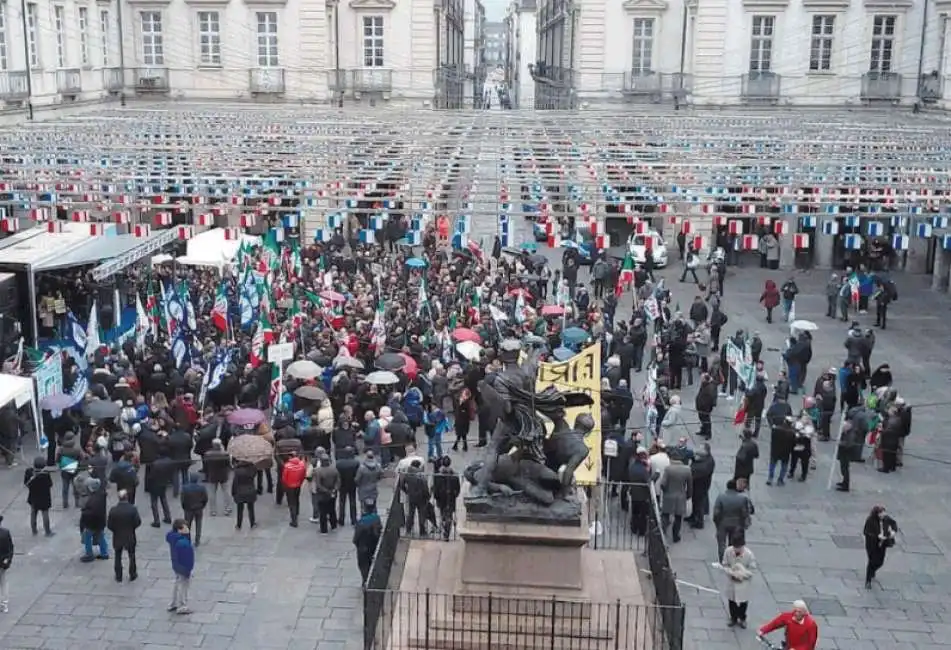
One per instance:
(553, 310)
(333, 296)
(461, 334)
(411, 369)
(525, 294)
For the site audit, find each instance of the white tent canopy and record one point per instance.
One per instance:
(210, 248)
(21, 391)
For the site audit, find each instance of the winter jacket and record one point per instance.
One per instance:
(324, 481)
(194, 495)
(347, 467)
(770, 295)
(93, 515)
(217, 465)
(181, 552)
(803, 635)
(243, 489)
(39, 485)
(413, 484)
(122, 521)
(368, 479)
(325, 418)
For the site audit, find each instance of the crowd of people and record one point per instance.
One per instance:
(397, 340)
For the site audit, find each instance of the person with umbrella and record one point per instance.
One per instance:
(244, 492)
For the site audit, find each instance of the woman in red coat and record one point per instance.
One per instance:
(802, 633)
(770, 299)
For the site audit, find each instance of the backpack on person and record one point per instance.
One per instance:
(891, 290)
(294, 473)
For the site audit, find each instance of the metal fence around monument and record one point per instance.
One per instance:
(385, 568)
(393, 618)
(429, 620)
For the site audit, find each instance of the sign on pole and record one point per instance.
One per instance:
(280, 352)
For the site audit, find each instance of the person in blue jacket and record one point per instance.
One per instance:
(183, 562)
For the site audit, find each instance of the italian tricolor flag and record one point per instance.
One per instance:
(219, 311)
(277, 385)
(626, 276)
(263, 336)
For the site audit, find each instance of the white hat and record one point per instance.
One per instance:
(641, 450)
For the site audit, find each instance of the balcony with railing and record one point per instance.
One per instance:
(112, 80)
(337, 81)
(266, 81)
(678, 84)
(761, 86)
(151, 80)
(69, 81)
(371, 80)
(881, 86)
(931, 87)
(639, 83)
(14, 86)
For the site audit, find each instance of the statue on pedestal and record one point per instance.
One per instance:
(525, 473)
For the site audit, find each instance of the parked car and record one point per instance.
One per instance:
(639, 251)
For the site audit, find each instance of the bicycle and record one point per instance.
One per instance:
(769, 645)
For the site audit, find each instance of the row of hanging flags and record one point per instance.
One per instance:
(873, 214)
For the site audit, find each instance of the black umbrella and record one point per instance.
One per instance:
(101, 410)
(538, 260)
(390, 361)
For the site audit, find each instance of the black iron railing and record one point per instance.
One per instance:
(666, 592)
(433, 620)
(422, 620)
(389, 552)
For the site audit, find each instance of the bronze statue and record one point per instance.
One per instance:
(521, 458)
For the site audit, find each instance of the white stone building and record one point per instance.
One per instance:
(521, 47)
(559, 53)
(716, 52)
(474, 51)
(383, 50)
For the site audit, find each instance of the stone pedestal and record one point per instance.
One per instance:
(499, 554)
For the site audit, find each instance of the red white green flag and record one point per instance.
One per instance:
(219, 311)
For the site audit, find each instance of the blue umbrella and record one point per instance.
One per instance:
(563, 354)
(416, 263)
(574, 335)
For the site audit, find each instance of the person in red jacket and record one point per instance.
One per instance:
(802, 633)
(770, 299)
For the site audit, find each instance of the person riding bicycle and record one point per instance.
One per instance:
(802, 633)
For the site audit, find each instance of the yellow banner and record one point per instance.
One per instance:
(581, 373)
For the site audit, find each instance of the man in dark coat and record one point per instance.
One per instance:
(347, 466)
(217, 470)
(366, 537)
(125, 475)
(123, 521)
(701, 471)
(446, 490)
(180, 451)
(194, 500)
(705, 403)
(639, 475)
(92, 522)
(157, 479)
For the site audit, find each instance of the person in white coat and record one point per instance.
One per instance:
(673, 425)
(739, 564)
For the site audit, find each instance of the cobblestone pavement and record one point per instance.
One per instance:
(806, 538)
(272, 587)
